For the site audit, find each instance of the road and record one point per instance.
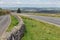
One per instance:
(52, 20)
(4, 22)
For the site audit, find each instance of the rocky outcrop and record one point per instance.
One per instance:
(17, 32)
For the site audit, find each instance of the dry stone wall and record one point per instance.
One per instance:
(17, 32)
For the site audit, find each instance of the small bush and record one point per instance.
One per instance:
(3, 12)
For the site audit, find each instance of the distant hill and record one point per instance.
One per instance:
(33, 9)
(0, 8)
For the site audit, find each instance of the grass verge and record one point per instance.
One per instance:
(14, 22)
(46, 14)
(37, 30)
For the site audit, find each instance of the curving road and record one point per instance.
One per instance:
(52, 20)
(4, 23)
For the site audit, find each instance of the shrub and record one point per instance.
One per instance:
(3, 12)
(18, 11)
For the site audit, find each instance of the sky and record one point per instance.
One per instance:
(29, 3)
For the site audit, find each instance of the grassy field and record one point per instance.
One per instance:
(46, 14)
(14, 22)
(37, 30)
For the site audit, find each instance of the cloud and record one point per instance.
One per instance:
(18, 2)
(2, 2)
(30, 2)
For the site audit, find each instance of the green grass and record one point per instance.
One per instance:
(37, 30)
(47, 14)
(14, 22)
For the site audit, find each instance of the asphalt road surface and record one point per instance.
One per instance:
(52, 20)
(4, 22)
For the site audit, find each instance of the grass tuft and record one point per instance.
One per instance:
(14, 22)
